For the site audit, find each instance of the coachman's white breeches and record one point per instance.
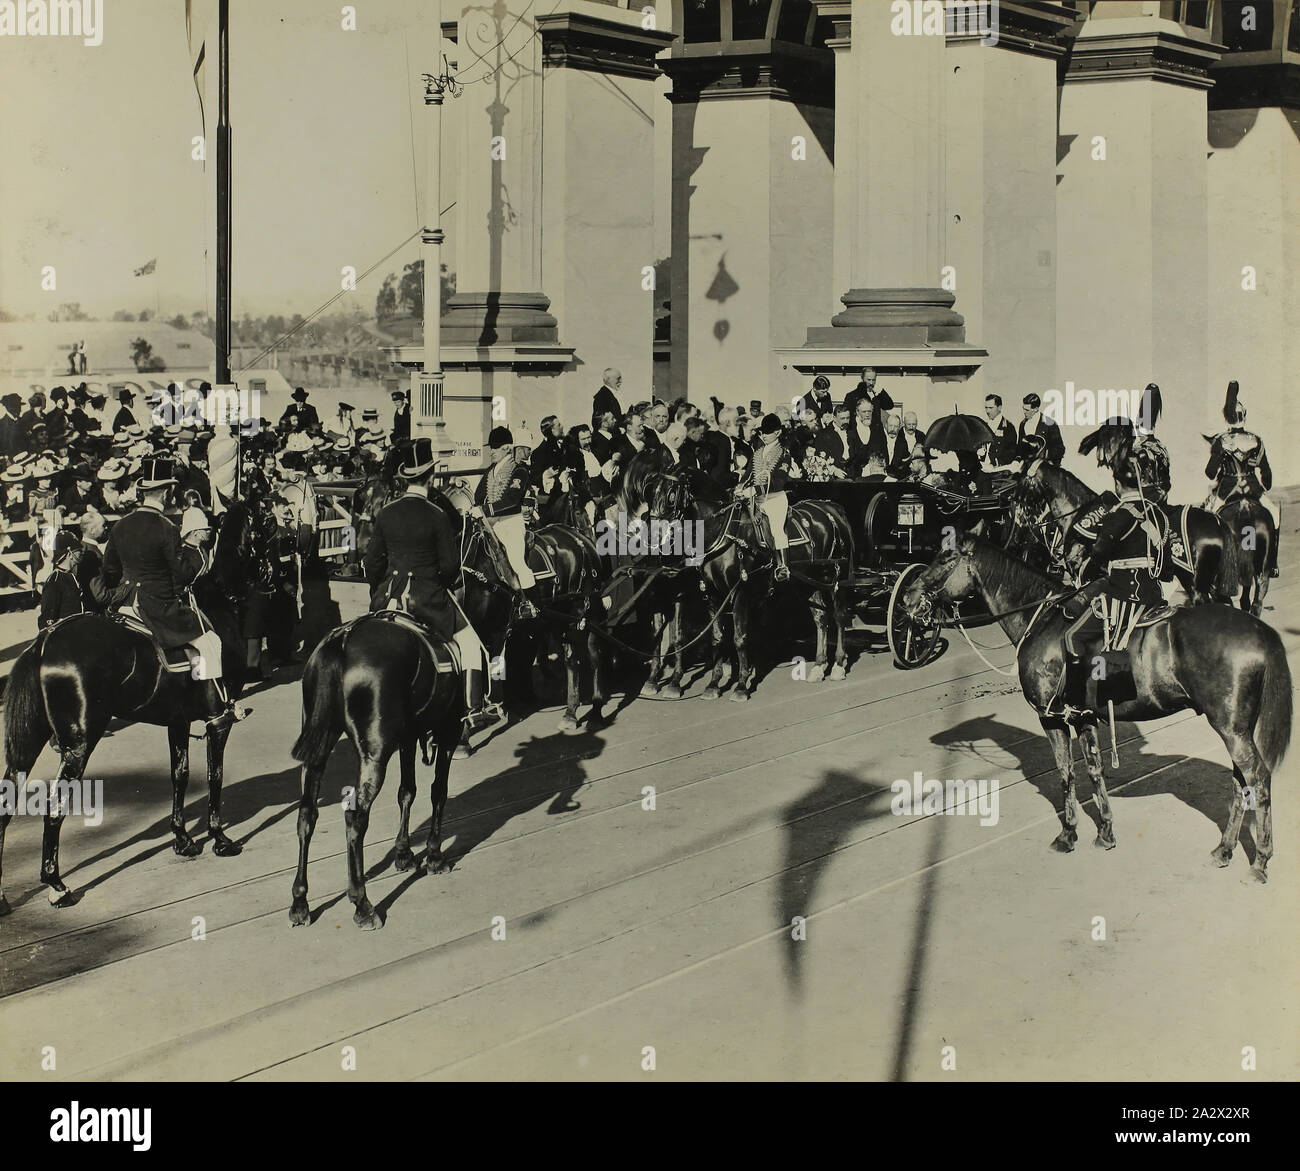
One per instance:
(509, 531)
(776, 506)
(471, 649)
(205, 657)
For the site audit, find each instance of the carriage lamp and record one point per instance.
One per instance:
(911, 511)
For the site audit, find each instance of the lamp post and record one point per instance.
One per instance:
(427, 388)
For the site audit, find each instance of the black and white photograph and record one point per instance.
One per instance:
(650, 541)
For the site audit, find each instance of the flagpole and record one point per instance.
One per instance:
(222, 325)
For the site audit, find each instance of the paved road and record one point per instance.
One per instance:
(628, 929)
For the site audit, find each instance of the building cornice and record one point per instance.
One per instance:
(593, 44)
(779, 70)
(1151, 50)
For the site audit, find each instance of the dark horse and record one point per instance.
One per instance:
(570, 585)
(1220, 662)
(736, 571)
(89, 669)
(1049, 499)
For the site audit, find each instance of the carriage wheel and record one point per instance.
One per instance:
(913, 643)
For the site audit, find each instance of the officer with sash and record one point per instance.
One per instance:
(413, 562)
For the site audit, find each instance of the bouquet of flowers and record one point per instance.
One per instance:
(819, 468)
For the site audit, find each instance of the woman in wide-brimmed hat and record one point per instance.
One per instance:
(112, 495)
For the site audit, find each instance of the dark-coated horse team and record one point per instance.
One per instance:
(392, 687)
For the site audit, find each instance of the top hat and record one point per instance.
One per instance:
(157, 472)
(417, 458)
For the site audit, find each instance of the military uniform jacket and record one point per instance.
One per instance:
(413, 557)
(1151, 462)
(1238, 448)
(145, 551)
(502, 490)
(1124, 553)
(61, 598)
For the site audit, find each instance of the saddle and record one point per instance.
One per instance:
(445, 655)
(176, 661)
(1098, 672)
(796, 529)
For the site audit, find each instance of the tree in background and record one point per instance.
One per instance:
(146, 361)
(69, 311)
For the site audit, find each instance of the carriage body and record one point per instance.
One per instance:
(899, 527)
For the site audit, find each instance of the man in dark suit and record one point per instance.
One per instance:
(412, 563)
(550, 453)
(1038, 437)
(1002, 450)
(725, 450)
(866, 388)
(604, 436)
(11, 428)
(868, 447)
(817, 403)
(606, 398)
(833, 439)
(125, 416)
(300, 409)
(77, 496)
(93, 529)
(401, 416)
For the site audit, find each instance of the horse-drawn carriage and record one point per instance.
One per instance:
(898, 529)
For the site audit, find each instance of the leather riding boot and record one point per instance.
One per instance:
(477, 713)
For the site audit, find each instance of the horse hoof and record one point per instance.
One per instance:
(367, 920)
(649, 689)
(223, 847)
(462, 752)
(1063, 844)
(187, 847)
(1104, 842)
(1219, 857)
(1261, 876)
(437, 864)
(568, 725)
(404, 861)
(61, 896)
(817, 673)
(672, 691)
(738, 696)
(299, 913)
(710, 692)
(838, 673)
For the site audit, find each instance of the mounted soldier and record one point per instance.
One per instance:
(1238, 468)
(499, 498)
(412, 563)
(150, 566)
(1125, 535)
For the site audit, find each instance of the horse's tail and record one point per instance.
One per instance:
(27, 723)
(1230, 579)
(322, 704)
(1273, 727)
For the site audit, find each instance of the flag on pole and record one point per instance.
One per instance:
(146, 269)
(200, 27)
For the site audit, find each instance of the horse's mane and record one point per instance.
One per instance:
(1002, 573)
(1051, 477)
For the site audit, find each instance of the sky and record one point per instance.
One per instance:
(96, 174)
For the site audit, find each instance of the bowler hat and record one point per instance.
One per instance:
(300, 395)
(13, 401)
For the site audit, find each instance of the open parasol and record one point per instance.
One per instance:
(958, 432)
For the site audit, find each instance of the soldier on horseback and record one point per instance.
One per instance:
(773, 466)
(1239, 468)
(148, 565)
(499, 498)
(413, 561)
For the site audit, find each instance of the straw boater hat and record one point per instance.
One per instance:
(19, 470)
(112, 469)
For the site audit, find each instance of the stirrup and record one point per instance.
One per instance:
(526, 609)
(780, 571)
(232, 715)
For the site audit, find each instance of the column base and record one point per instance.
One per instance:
(891, 318)
(490, 319)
